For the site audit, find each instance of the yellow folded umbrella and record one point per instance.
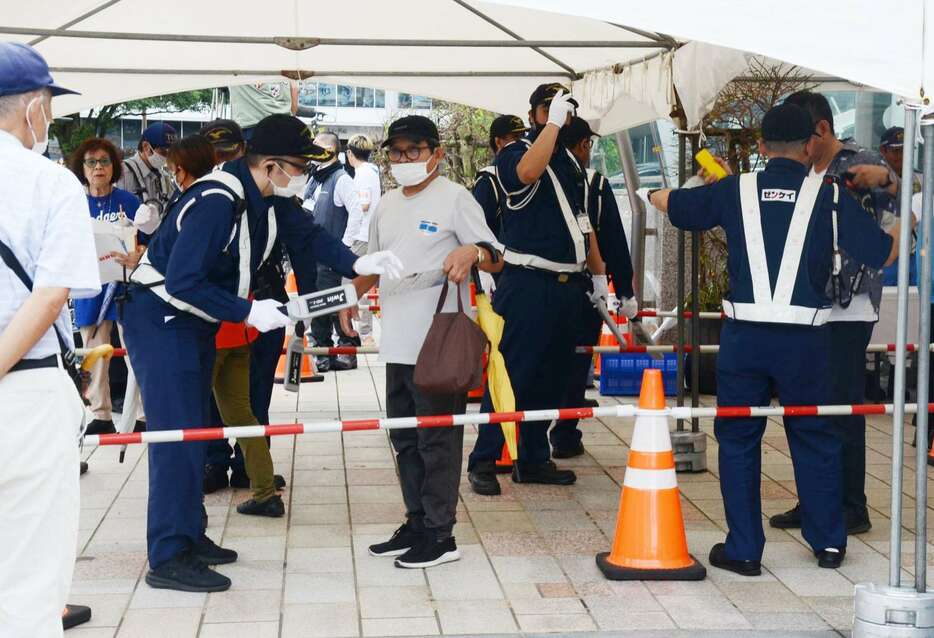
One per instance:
(497, 377)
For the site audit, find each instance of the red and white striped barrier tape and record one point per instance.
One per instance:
(652, 312)
(873, 347)
(448, 420)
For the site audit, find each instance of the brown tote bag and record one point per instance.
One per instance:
(450, 361)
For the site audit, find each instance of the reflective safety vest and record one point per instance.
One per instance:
(147, 275)
(766, 305)
(577, 222)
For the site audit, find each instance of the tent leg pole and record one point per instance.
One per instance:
(637, 232)
(924, 295)
(695, 308)
(680, 283)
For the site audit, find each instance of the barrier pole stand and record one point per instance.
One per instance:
(924, 368)
(894, 610)
(679, 424)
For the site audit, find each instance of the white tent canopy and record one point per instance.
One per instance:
(124, 49)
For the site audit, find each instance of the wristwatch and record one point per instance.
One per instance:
(494, 256)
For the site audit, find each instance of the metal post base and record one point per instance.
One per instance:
(690, 451)
(892, 612)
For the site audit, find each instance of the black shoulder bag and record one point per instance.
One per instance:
(69, 359)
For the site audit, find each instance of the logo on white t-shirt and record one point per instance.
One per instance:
(427, 227)
(779, 195)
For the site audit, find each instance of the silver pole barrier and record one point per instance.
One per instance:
(637, 231)
(924, 298)
(901, 337)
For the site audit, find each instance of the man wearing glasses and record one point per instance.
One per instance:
(437, 229)
(548, 239)
(143, 173)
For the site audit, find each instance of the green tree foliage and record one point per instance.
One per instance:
(74, 129)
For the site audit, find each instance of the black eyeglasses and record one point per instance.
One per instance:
(304, 168)
(411, 153)
(92, 163)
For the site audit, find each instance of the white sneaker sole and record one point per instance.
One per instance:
(395, 552)
(447, 557)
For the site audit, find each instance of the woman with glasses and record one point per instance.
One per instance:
(96, 163)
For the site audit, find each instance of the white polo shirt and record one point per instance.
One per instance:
(44, 220)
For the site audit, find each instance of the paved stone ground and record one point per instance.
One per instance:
(528, 555)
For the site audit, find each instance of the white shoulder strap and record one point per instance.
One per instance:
(794, 242)
(225, 178)
(577, 237)
(752, 230)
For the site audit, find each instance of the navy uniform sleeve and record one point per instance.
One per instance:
(308, 242)
(507, 162)
(484, 191)
(611, 238)
(858, 233)
(201, 239)
(700, 208)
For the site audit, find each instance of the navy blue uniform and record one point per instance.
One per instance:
(758, 355)
(197, 251)
(487, 193)
(611, 238)
(540, 305)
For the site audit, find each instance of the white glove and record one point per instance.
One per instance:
(612, 303)
(265, 315)
(559, 109)
(629, 306)
(643, 194)
(146, 219)
(379, 263)
(600, 287)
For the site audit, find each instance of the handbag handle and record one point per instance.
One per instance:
(444, 295)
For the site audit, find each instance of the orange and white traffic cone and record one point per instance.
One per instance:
(650, 543)
(504, 463)
(309, 373)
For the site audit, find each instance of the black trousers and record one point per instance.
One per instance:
(429, 459)
(848, 341)
(322, 327)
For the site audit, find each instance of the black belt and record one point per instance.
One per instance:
(50, 361)
(560, 277)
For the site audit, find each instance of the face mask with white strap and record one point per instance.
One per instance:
(37, 146)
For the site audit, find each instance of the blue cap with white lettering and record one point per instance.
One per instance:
(22, 69)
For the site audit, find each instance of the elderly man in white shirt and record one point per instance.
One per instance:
(46, 231)
(369, 190)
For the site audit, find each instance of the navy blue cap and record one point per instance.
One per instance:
(894, 137)
(787, 123)
(413, 127)
(22, 70)
(160, 135)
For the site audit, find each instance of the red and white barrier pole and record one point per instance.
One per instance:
(448, 420)
(652, 312)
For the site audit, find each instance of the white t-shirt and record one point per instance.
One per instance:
(422, 230)
(44, 220)
(368, 189)
(860, 308)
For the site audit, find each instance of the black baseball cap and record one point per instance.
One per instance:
(893, 137)
(223, 134)
(414, 127)
(787, 123)
(506, 124)
(282, 135)
(23, 69)
(543, 94)
(578, 129)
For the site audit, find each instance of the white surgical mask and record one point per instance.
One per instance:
(156, 161)
(295, 187)
(411, 173)
(37, 146)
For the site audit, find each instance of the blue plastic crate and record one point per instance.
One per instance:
(621, 372)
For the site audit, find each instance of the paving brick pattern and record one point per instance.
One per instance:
(528, 555)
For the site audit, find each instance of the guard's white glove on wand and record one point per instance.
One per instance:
(380, 263)
(265, 315)
(601, 287)
(560, 108)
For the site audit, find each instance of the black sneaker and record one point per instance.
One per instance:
(788, 520)
(343, 362)
(483, 481)
(567, 452)
(75, 615)
(322, 364)
(272, 507)
(591, 403)
(210, 553)
(101, 426)
(215, 478)
(830, 558)
(428, 552)
(186, 573)
(279, 481)
(857, 523)
(545, 474)
(139, 426)
(719, 559)
(83, 468)
(239, 479)
(403, 539)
